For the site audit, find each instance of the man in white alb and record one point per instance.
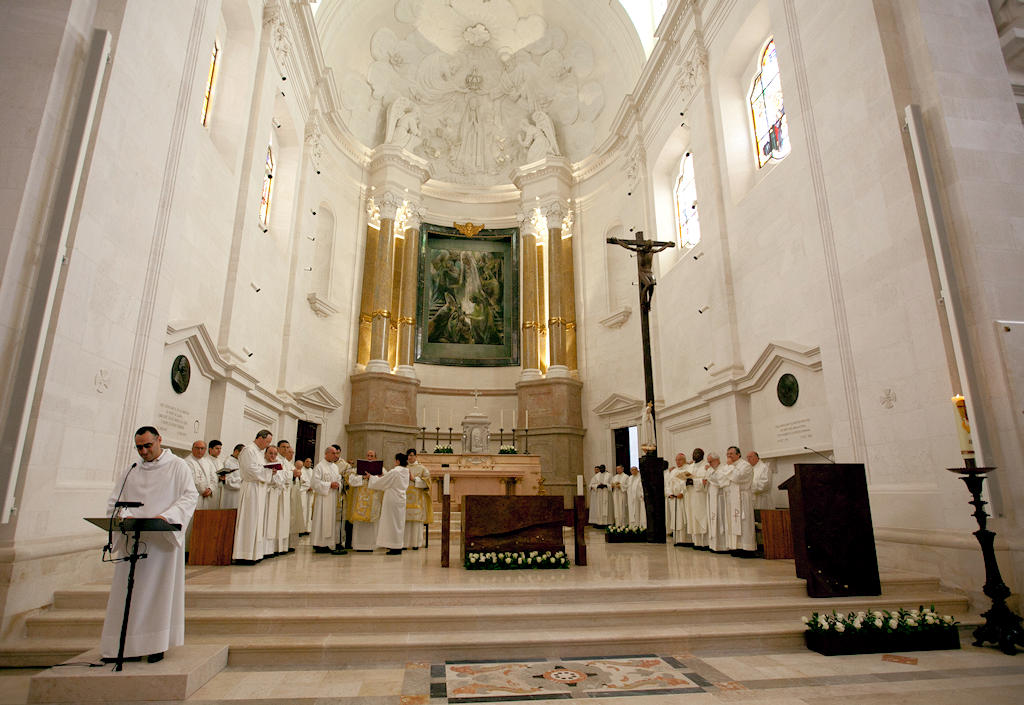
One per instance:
(718, 480)
(761, 485)
(252, 501)
(277, 521)
(213, 454)
(394, 483)
(365, 509)
(419, 508)
(231, 480)
(697, 500)
(619, 484)
(326, 483)
(740, 503)
(163, 483)
(635, 500)
(204, 475)
(675, 519)
(600, 496)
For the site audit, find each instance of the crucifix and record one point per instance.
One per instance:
(651, 466)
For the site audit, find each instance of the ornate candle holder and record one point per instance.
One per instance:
(423, 438)
(1002, 626)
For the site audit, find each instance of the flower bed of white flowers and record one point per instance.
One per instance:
(881, 630)
(516, 560)
(444, 450)
(508, 450)
(624, 534)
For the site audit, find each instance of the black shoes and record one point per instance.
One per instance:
(394, 552)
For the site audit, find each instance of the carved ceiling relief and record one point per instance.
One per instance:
(476, 89)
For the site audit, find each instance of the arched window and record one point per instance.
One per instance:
(687, 217)
(268, 185)
(771, 133)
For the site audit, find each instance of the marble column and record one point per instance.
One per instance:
(531, 317)
(395, 306)
(407, 310)
(380, 316)
(556, 319)
(569, 302)
(366, 297)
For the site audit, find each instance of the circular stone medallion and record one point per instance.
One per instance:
(788, 389)
(181, 373)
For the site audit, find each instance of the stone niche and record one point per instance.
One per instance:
(382, 415)
(555, 429)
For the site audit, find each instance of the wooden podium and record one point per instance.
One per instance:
(213, 537)
(833, 539)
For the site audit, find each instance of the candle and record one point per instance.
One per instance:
(438, 417)
(963, 428)
(527, 418)
(502, 425)
(447, 483)
(579, 485)
(451, 418)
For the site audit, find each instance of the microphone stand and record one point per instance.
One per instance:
(821, 454)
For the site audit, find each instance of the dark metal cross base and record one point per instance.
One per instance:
(1002, 626)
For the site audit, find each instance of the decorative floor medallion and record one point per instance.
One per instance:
(487, 681)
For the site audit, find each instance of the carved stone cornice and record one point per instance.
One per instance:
(617, 319)
(555, 211)
(389, 155)
(321, 306)
(387, 204)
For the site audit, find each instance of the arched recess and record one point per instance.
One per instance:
(620, 274)
(321, 262)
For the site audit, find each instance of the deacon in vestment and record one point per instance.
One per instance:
(307, 496)
(364, 508)
(326, 482)
(761, 485)
(635, 500)
(718, 512)
(740, 502)
(600, 496)
(696, 500)
(299, 488)
(619, 484)
(164, 485)
(419, 508)
(394, 483)
(231, 480)
(252, 501)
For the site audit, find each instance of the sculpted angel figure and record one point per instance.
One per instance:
(538, 138)
(403, 124)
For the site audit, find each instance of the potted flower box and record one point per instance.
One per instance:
(881, 631)
(625, 534)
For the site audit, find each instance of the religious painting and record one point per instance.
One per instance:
(468, 301)
(787, 389)
(181, 374)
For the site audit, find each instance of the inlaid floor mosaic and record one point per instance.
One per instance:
(571, 678)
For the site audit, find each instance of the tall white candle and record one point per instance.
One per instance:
(447, 483)
(438, 416)
(527, 418)
(579, 485)
(502, 425)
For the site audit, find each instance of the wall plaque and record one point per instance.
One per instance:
(788, 389)
(181, 373)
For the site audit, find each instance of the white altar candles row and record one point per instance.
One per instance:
(425, 416)
(579, 485)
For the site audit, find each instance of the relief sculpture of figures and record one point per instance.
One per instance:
(538, 138)
(403, 124)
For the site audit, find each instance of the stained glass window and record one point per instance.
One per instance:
(210, 79)
(268, 184)
(687, 217)
(771, 133)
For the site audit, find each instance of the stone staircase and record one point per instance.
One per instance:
(351, 624)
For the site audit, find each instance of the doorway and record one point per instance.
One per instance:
(305, 440)
(627, 447)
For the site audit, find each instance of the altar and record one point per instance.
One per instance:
(482, 474)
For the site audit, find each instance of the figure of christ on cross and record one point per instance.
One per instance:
(651, 466)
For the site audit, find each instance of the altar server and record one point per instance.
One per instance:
(252, 501)
(278, 506)
(300, 484)
(213, 454)
(635, 500)
(600, 496)
(718, 480)
(676, 490)
(363, 508)
(619, 484)
(394, 483)
(761, 485)
(419, 508)
(326, 482)
(164, 485)
(740, 503)
(696, 500)
(231, 480)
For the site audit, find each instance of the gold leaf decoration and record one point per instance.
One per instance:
(468, 229)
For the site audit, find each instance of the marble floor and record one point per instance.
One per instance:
(971, 675)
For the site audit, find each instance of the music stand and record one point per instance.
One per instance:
(135, 526)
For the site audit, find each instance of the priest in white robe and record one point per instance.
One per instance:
(419, 507)
(231, 480)
(307, 496)
(300, 485)
(675, 488)
(252, 503)
(277, 518)
(326, 483)
(204, 475)
(697, 500)
(761, 486)
(393, 483)
(718, 480)
(363, 508)
(619, 484)
(600, 496)
(164, 485)
(739, 500)
(635, 500)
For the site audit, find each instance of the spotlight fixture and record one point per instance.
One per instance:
(265, 230)
(285, 78)
(283, 95)
(311, 238)
(698, 255)
(308, 269)
(313, 211)
(255, 287)
(629, 193)
(318, 172)
(703, 308)
(247, 351)
(276, 123)
(707, 367)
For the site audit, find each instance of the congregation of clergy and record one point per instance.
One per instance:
(709, 505)
(279, 498)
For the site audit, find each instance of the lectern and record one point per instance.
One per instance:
(833, 539)
(134, 527)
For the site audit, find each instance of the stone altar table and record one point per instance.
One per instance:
(483, 474)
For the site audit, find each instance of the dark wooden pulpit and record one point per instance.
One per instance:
(833, 539)
(213, 536)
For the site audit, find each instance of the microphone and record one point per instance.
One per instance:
(821, 454)
(127, 504)
(117, 503)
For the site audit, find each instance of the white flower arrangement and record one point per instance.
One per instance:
(901, 621)
(507, 450)
(443, 450)
(510, 560)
